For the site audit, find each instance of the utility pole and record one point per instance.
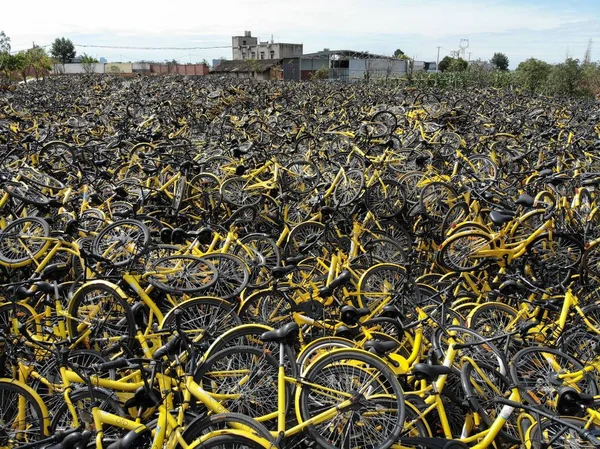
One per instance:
(190, 58)
(469, 57)
(437, 61)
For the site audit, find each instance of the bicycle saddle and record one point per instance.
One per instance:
(525, 200)
(500, 218)
(351, 314)
(391, 311)
(279, 272)
(380, 347)
(571, 402)
(285, 334)
(143, 399)
(294, 260)
(424, 371)
(55, 271)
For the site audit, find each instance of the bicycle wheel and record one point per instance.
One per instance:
(377, 416)
(40, 179)
(435, 200)
(99, 313)
(479, 172)
(235, 191)
(459, 251)
(122, 242)
(536, 371)
(349, 187)
(561, 436)
(245, 376)
(492, 318)
(483, 385)
(204, 425)
(385, 250)
(456, 215)
(27, 193)
(49, 369)
(261, 254)
(203, 192)
(385, 198)
(591, 258)
(24, 240)
(485, 353)
(581, 344)
(22, 418)
(220, 441)
(409, 182)
(317, 347)
(552, 259)
(183, 274)
(249, 335)
(267, 307)
(57, 156)
(83, 403)
(11, 315)
(388, 118)
(203, 317)
(384, 282)
(232, 275)
(300, 177)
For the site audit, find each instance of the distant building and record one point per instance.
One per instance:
(216, 62)
(344, 65)
(248, 47)
(266, 69)
(102, 60)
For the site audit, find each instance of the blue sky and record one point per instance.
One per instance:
(547, 30)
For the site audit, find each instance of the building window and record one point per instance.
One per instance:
(262, 55)
(253, 55)
(243, 42)
(272, 54)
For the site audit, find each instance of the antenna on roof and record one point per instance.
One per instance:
(272, 39)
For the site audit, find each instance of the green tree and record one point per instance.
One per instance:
(87, 62)
(532, 74)
(398, 54)
(500, 61)
(63, 50)
(565, 78)
(4, 52)
(458, 65)
(445, 63)
(20, 64)
(590, 78)
(85, 58)
(205, 62)
(39, 61)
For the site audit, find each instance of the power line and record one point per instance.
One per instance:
(116, 47)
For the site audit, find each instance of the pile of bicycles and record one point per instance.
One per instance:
(220, 263)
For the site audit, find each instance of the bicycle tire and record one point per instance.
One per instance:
(34, 425)
(122, 242)
(535, 375)
(122, 321)
(456, 252)
(22, 233)
(181, 274)
(222, 372)
(348, 367)
(385, 198)
(206, 316)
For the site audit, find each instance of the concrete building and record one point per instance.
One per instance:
(249, 47)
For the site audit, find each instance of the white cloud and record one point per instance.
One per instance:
(317, 23)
